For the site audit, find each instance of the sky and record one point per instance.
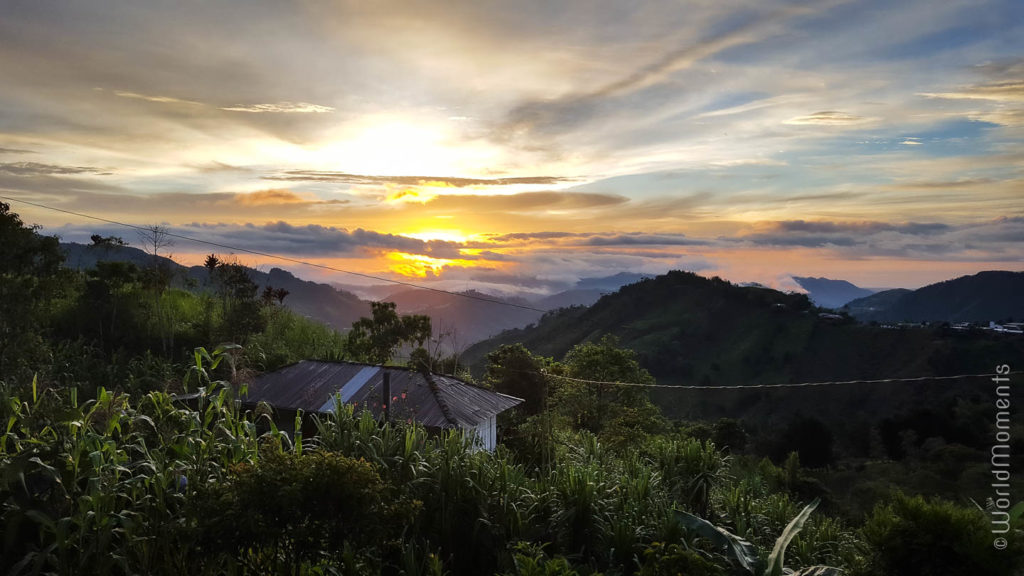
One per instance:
(520, 146)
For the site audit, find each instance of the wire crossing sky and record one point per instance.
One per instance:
(519, 147)
(275, 256)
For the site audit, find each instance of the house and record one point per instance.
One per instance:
(433, 400)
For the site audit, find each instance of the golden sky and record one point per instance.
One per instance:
(522, 146)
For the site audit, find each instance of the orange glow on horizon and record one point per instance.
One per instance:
(419, 266)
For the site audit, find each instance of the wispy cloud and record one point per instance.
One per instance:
(1008, 91)
(158, 99)
(829, 118)
(40, 169)
(453, 181)
(281, 108)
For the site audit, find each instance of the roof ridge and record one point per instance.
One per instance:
(436, 391)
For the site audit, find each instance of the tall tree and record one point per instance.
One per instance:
(605, 392)
(30, 266)
(513, 370)
(376, 339)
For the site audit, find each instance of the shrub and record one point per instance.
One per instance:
(913, 536)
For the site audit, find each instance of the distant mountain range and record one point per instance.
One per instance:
(463, 320)
(983, 297)
(688, 329)
(829, 293)
(336, 308)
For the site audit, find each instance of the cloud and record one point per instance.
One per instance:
(1001, 96)
(520, 280)
(271, 197)
(16, 151)
(843, 227)
(317, 241)
(158, 99)
(38, 169)
(638, 239)
(525, 201)
(219, 167)
(531, 236)
(365, 179)
(828, 118)
(281, 108)
(956, 184)
(1008, 91)
(555, 114)
(989, 240)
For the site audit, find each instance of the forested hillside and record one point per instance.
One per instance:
(687, 329)
(991, 296)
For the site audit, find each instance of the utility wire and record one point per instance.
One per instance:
(502, 303)
(276, 256)
(783, 385)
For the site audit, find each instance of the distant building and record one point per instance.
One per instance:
(433, 400)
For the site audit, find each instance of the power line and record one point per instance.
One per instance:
(782, 385)
(276, 256)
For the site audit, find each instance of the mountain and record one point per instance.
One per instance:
(610, 283)
(687, 329)
(983, 297)
(85, 256)
(464, 320)
(829, 293)
(336, 308)
(873, 307)
(567, 298)
(371, 292)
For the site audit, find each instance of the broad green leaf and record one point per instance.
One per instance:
(744, 552)
(776, 559)
(820, 571)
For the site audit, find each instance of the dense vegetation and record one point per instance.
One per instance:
(104, 472)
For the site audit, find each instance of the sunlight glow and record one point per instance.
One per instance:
(448, 235)
(419, 266)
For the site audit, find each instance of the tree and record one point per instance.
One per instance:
(241, 309)
(911, 535)
(154, 239)
(30, 272)
(376, 339)
(595, 398)
(271, 294)
(513, 370)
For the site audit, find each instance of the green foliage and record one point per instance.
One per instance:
(691, 469)
(674, 559)
(30, 278)
(777, 557)
(513, 370)
(101, 471)
(375, 340)
(530, 560)
(743, 552)
(911, 535)
(288, 338)
(739, 550)
(287, 510)
(620, 413)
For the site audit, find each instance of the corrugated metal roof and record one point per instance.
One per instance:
(432, 400)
